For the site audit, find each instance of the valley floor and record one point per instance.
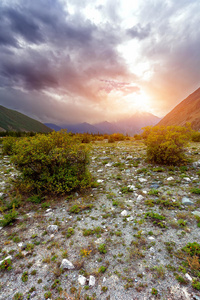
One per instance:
(126, 235)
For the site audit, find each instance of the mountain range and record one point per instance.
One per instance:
(12, 120)
(130, 126)
(187, 111)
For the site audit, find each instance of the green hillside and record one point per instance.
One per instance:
(11, 120)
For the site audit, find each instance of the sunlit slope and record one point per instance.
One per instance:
(11, 120)
(186, 111)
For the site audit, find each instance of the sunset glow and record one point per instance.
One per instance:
(66, 61)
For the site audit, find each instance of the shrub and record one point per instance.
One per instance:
(9, 217)
(195, 136)
(55, 163)
(165, 145)
(8, 145)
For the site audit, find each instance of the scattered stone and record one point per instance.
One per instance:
(187, 201)
(154, 186)
(91, 280)
(187, 179)
(22, 246)
(108, 165)
(66, 264)
(141, 180)
(52, 228)
(99, 180)
(124, 213)
(188, 277)
(196, 164)
(131, 187)
(196, 213)
(170, 178)
(140, 198)
(81, 279)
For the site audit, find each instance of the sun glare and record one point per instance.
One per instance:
(139, 102)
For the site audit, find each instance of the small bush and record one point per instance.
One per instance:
(9, 217)
(195, 136)
(102, 248)
(8, 145)
(165, 145)
(6, 264)
(54, 163)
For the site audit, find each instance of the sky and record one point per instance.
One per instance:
(73, 61)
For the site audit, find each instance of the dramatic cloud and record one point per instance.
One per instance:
(72, 60)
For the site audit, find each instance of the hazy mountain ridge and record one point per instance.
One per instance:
(131, 125)
(186, 111)
(12, 120)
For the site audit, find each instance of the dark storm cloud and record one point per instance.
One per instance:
(73, 53)
(25, 26)
(33, 77)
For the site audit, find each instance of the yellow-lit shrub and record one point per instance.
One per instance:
(53, 163)
(165, 145)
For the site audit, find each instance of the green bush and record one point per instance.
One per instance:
(54, 163)
(8, 145)
(195, 136)
(9, 217)
(165, 145)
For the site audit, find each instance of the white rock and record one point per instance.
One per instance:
(66, 264)
(140, 197)
(129, 157)
(151, 238)
(99, 180)
(145, 192)
(142, 179)
(196, 163)
(188, 277)
(108, 165)
(91, 280)
(124, 213)
(131, 187)
(52, 228)
(187, 179)
(170, 178)
(99, 171)
(104, 279)
(81, 279)
(196, 213)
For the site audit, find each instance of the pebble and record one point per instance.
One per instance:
(66, 264)
(196, 213)
(82, 279)
(187, 201)
(91, 280)
(124, 213)
(52, 228)
(188, 277)
(140, 198)
(170, 178)
(141, 180)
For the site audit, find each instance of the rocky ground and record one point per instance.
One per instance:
(122, 240)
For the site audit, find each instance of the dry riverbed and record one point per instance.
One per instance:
(122, 240)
